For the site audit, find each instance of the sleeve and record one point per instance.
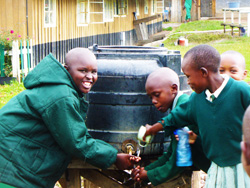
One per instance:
(165, 167)
(245, 94)
(179, 117)
(68, 128)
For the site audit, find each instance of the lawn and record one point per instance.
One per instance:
(222, 42)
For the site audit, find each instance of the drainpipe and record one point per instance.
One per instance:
(27, 23)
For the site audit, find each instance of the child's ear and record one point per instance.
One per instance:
(244, 74)
(204, 71)
(245, 147)
(66, 67)
(174, 88)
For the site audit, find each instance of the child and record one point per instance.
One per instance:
(217, 107)
(187, 4)
(44, 126)
(162, 86)
(233, 64)
(245, 144)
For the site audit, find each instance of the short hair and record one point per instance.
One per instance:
(204, 56)
(246, 126)
(240, 58)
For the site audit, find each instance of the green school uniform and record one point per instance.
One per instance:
(165, 167)
(219, 122)
(43, 127)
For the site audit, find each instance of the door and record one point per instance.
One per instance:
(206, 8)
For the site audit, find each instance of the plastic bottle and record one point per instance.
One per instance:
(184, 155)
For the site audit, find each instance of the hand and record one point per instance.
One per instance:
(153, 129)
(192, 137)
(139, 173)
(148, 131)
(126, 161)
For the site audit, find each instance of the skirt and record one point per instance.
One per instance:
(227, 177)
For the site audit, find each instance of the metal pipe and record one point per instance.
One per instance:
(27, 23)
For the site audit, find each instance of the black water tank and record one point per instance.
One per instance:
(118, 101)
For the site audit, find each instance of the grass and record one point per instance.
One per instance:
(202, 25)
(8, 91)
(222, 42)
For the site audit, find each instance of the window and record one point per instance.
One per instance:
(160, 6)
(49, 13)
(145, 6)
(108, 14)
(153, 6)
(82, 12)
(137, 7)
(121, 7)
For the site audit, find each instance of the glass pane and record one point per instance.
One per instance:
(51, 5)
(82, 7)
(46, 3)
(46, 18)
(51, 18)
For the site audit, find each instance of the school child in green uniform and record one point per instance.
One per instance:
(162, 86)
(43, 127)
(217, 106)
(245, 144)
(233, 64)
(187, 4)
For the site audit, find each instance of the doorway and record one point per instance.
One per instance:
(206, 8)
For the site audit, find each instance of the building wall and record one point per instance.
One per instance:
(67, 34)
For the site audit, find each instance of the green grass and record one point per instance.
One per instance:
(222, 42)
(202, 25)
(8, 91)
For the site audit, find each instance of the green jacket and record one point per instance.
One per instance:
(44, 126)
(165, 167)
(219, 122)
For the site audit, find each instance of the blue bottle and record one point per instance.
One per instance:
(184, 155)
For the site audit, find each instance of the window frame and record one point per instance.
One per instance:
(137, 7)
(117, 13)
(53, 12)
(86, 13)
(145, 6)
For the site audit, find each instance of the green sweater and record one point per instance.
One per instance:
(165, 167)
(43, 127)
(220, 122)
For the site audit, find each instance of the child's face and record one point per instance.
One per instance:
(162, 96)
(196, 79)
(244, 159)
(230, 66)
(84, 73)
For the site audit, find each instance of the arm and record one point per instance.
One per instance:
(161, 170)
(64, 120)
(153, 130)
(179, 117)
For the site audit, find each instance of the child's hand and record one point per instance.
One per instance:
(139, 173)
(192, 137)
(148, 131)
(152, 129)
(126, 161)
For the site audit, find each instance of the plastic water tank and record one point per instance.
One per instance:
(118, 101)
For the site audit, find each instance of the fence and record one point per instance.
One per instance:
(21, 58)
